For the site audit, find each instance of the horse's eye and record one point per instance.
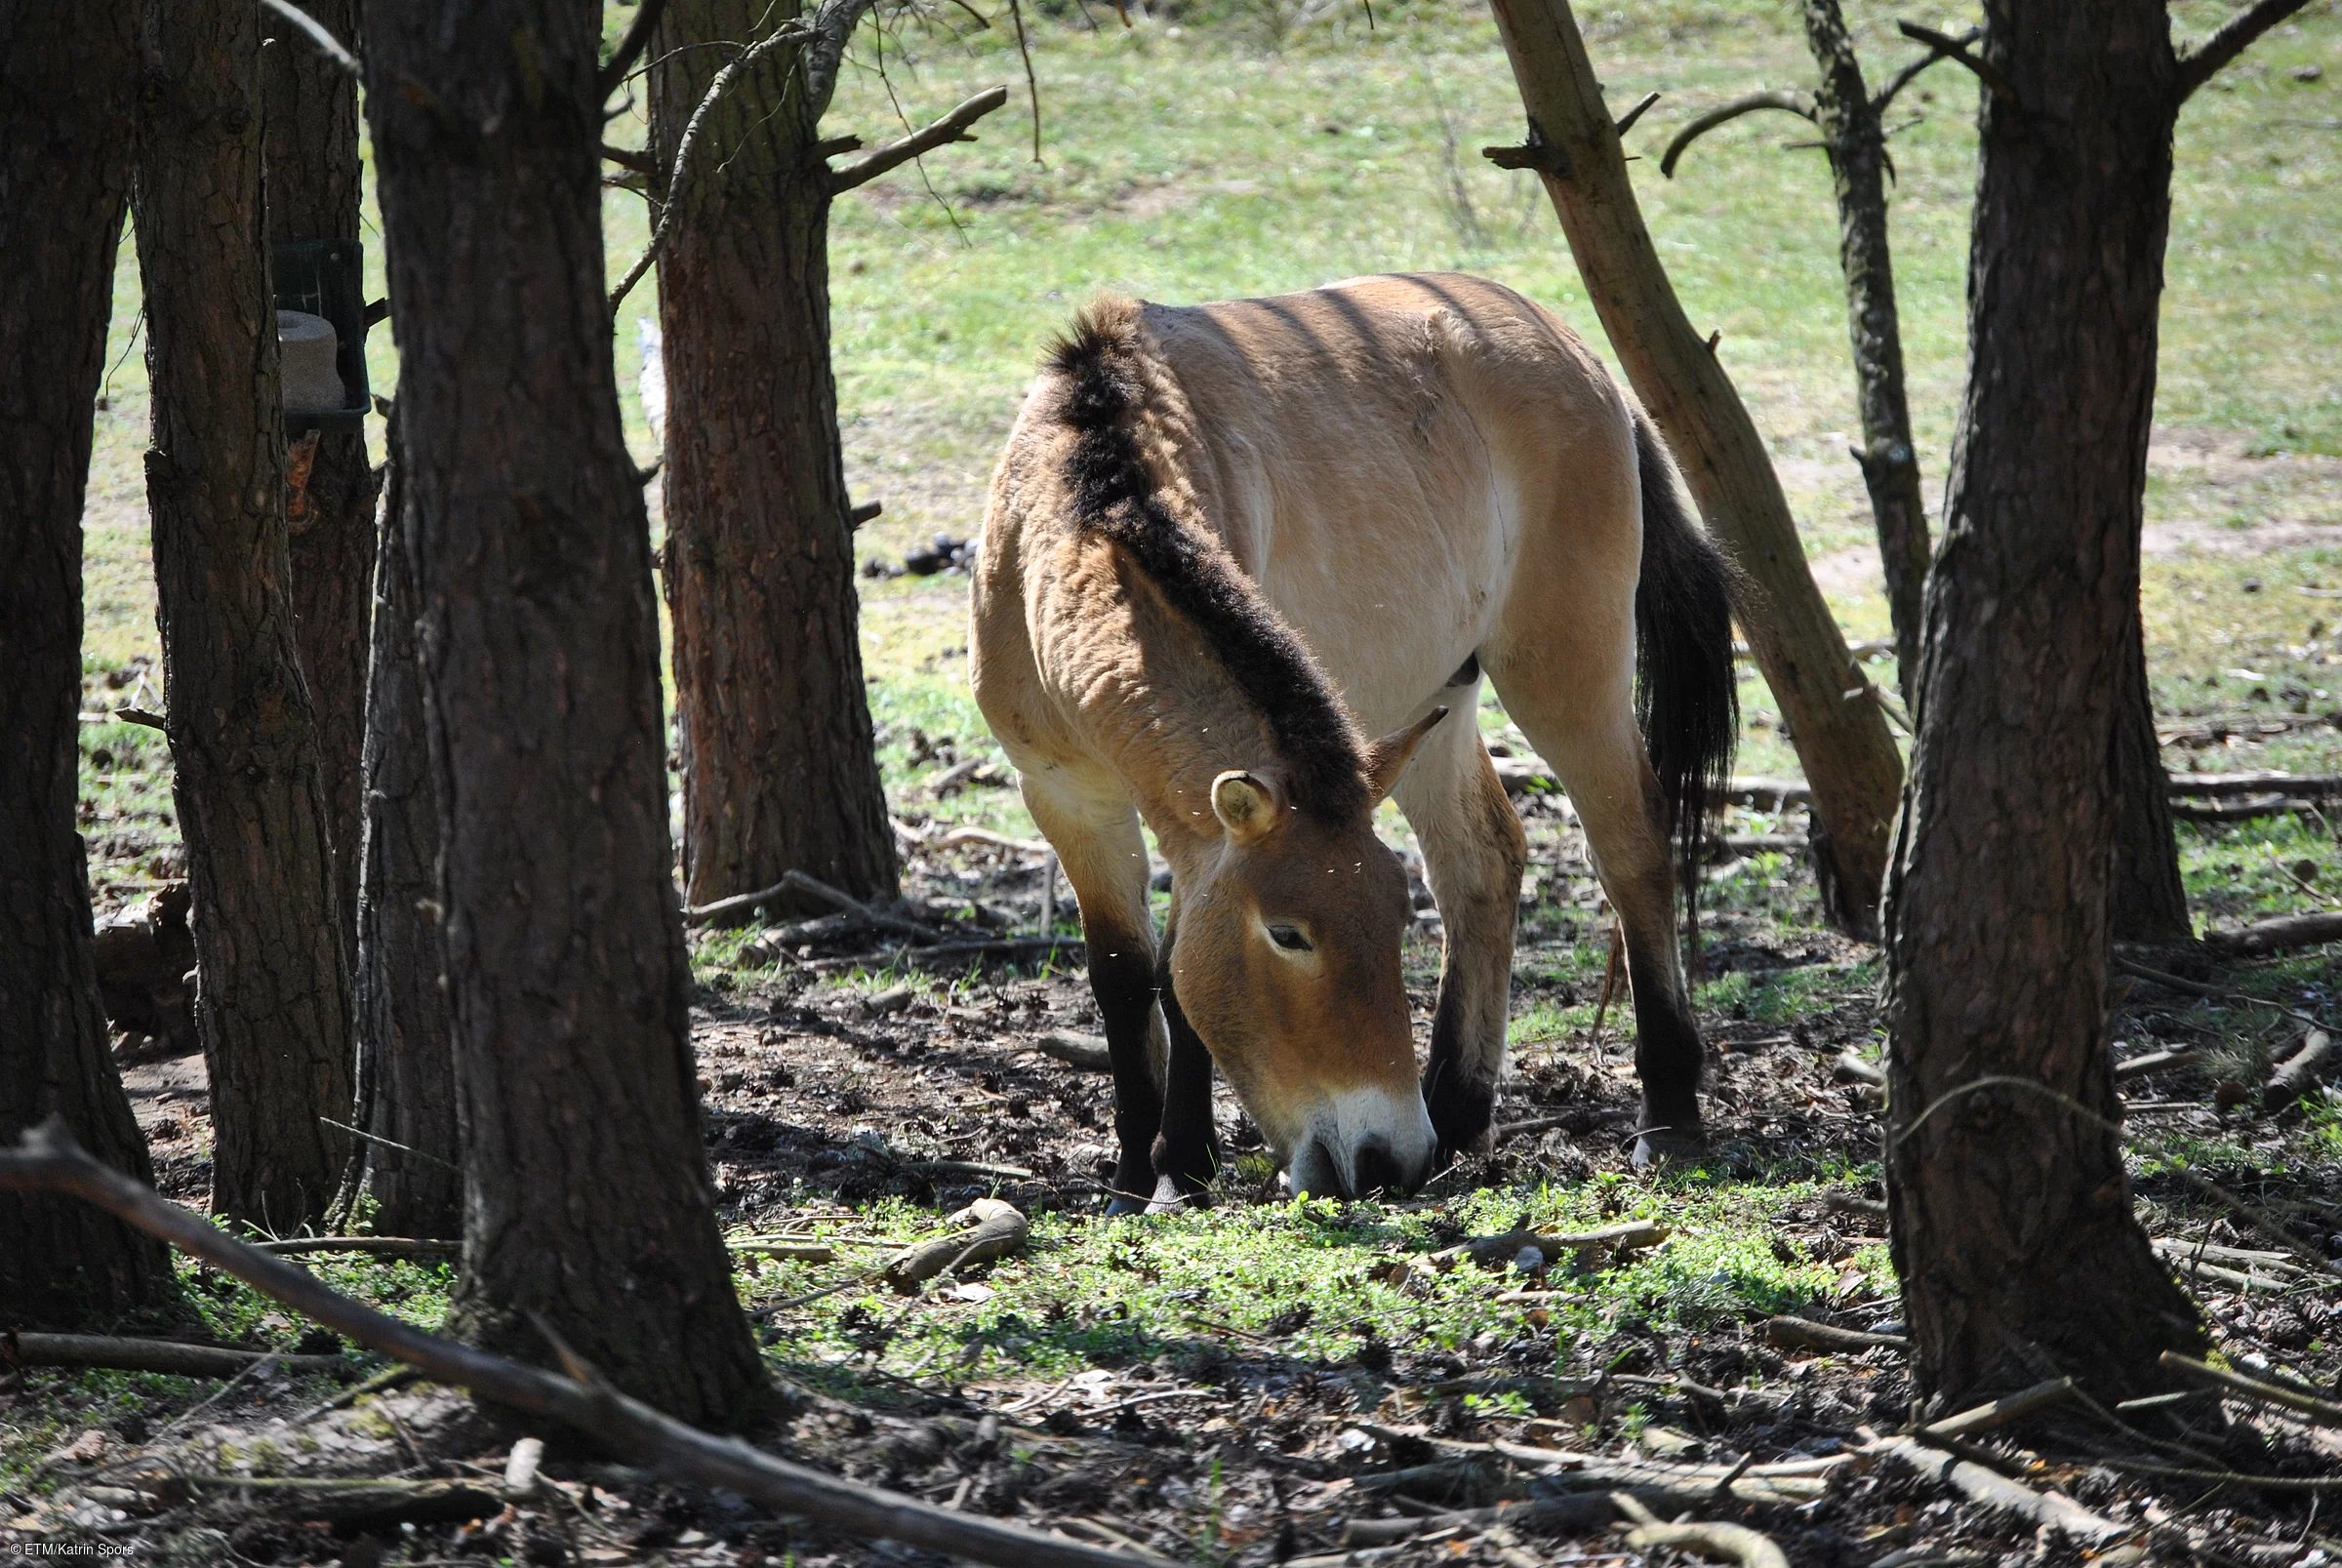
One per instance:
(1290, 938)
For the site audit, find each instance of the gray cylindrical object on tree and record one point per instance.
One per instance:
(307, 346)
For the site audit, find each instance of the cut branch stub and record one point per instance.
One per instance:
(1953, 49)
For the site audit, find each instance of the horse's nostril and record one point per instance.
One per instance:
(1377, 1169)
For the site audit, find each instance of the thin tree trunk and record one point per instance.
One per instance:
(272, 1002)
(406, 1052)
(1849, 757)
(586, 1203)
(2148, 901)
(67, 87)
(779, 773)
(2011, 1210)
(310, 126)
(1888, 458)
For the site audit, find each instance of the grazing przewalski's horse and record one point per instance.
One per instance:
(1228, 543)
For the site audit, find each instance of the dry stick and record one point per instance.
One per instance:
(48, 1160)
(1999, 1411)
(1804, 1334)
(2197, 66)
(800, 882)
(2294, 1078)
(2281, 935)
(1910, 72)
(369, 1246)
(327, 43)
(1996, 1491)
(1953, 49)
(952, 127)
(629, 50)
(1559, 1515)
(986, 1230)
(155, 1355)
(794, 33)
(1087, 1052)
(2191, 987)
(1032, 83)
(2324, 1412)
(1800, 104)
(1733, 1543)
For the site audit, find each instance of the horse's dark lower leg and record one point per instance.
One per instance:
(1123, 980)
(1474, 854)
(1668, 1054)
(1187, 1149)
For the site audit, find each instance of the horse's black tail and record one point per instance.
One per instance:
(1685, 698)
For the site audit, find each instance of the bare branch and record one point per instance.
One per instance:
(1796, 103)
(952, 127)
(791, 35)
(638, 37)
(2198, 65)
(48, 1160)
(1910, 72)
(641, 163)
(331, 47)
(1032, 83)
(1951, 48)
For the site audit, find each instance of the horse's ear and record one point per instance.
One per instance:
(1245, 805)
(1389, 756)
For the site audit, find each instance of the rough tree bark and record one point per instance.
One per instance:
(406, 1051)
(309, 117)
(272, 1002)
(2011, 1212)
(1852, 134)
(1849, 757)
(67, 87)
(587, 1202)
(779, 773)
(2146, 902)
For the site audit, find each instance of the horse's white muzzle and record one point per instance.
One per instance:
(1358, 1141)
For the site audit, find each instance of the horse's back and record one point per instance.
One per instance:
(1387, 455)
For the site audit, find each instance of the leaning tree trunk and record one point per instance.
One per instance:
(1888, 460)
(67, 87)
(2010, 1207)
(1849, 757)
(311, 129)
(412, 1166)
(586, 1204)
(272, 1002)
(779, 773)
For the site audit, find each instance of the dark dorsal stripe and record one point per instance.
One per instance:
(1113, 494)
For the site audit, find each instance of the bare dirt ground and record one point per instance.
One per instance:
(1220, 1445)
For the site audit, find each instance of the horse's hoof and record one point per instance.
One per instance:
(1122, 1205)
(1170, 1198)
(1665, 1145)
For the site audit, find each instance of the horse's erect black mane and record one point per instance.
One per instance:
(1104, 362)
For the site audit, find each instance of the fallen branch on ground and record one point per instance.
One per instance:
(2257, 782)
(1733, 1543)
(1088, 1052)
(2324, 1412)
(2214, 993)
(1998, 1412)
(2156, 1061)
(1496, 1252)
(48, 1160)
(812, 887)
(2298, 1073)
(155, 1355)
(1804, 1334)
(2040, 1510)
(369, 1246)
(986, 1230)
(356, 1504)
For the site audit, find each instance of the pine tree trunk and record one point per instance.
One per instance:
(1849, 757)
(2011, 1211)
(1889, 461)
(67, 87)
(406, 1052)
(779, 773)
(587, 1202)
(2149, 902)
(310, 126)
(272, 1002)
